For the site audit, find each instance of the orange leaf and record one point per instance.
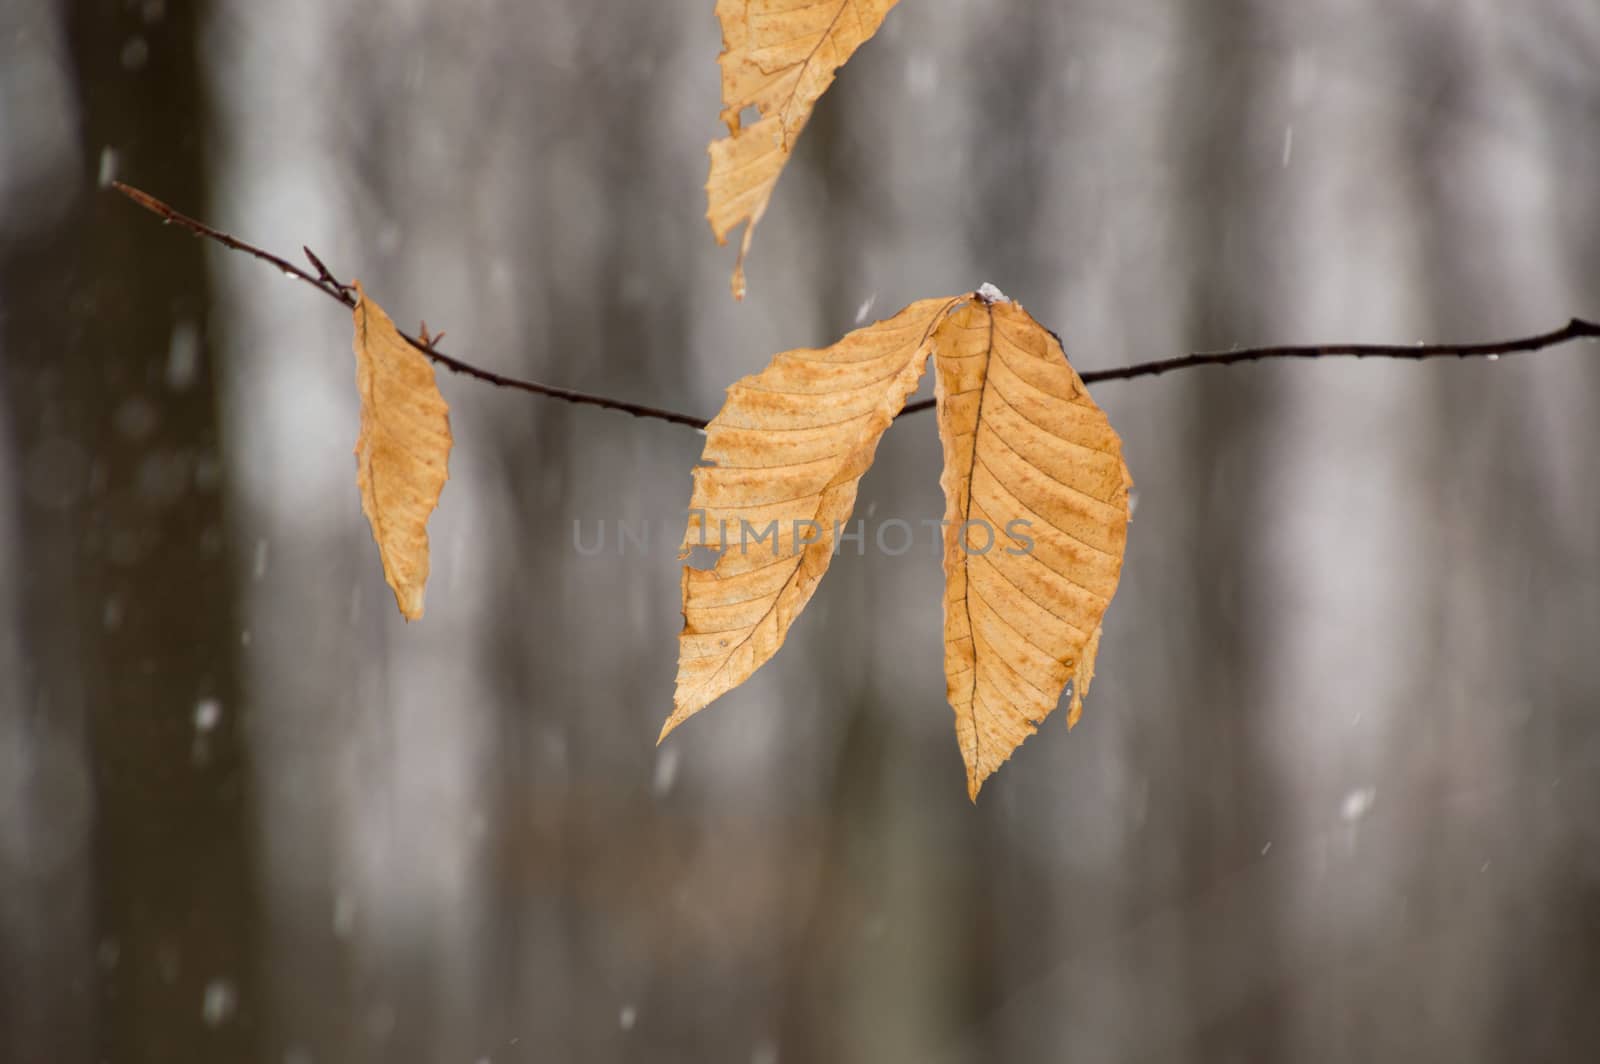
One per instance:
(1036, 511)
(1036, 520)
(403, 453)
(789, 447)
(779, 57)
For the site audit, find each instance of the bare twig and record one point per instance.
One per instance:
(1575, 329)
(330, 286)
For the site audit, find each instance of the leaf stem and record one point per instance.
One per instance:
(330, 286)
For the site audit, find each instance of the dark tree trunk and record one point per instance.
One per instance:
(125, 596)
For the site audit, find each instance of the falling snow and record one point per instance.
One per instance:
(666, 770)
(108, 166)
(183, 356)
(207, 712)
(1357, 804)
(990, 294)
(219, 1002)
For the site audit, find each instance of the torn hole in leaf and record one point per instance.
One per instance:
(703, 558)
(779, 57)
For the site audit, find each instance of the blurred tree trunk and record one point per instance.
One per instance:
(126, 604)
(1220, 766)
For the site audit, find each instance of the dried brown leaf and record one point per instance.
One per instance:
(1023, 442)
(789, 447)
(1036, 511)
(403, 453)
(778, 57)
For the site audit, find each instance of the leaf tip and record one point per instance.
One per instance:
(410, 604)
(676, 718)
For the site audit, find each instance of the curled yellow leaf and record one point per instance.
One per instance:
(403, 452)
(779, 57)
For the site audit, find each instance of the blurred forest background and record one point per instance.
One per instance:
(1333, 797)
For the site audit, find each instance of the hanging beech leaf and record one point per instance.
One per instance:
(788, 447)
(1036, 511)
(778, 57)
(403, 453)
(1036, 520)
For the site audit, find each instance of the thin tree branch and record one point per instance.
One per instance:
(330, 286)
(1575, 329)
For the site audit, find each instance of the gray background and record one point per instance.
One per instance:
(1334, 793)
